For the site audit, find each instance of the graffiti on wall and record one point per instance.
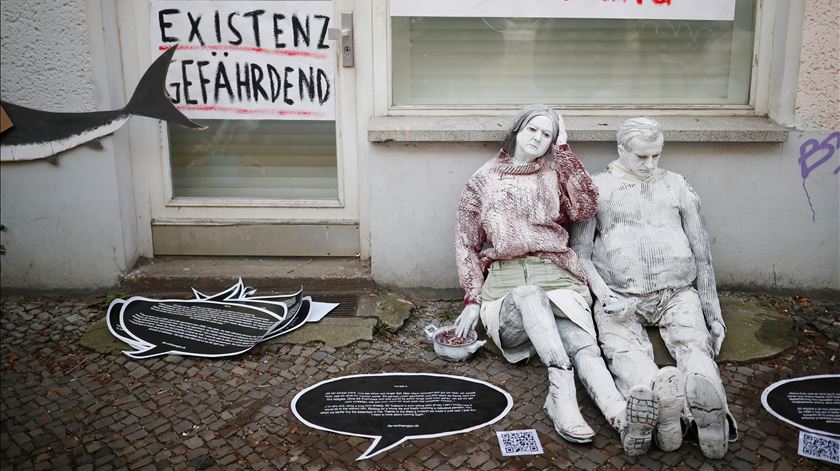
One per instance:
(813, 154)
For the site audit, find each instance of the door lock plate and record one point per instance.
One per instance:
(344, 35)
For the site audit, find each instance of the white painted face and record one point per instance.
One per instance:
(642, 157)
(533, 139)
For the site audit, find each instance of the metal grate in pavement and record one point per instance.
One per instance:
(347, 303)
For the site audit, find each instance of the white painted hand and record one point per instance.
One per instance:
(620, 308)
(718, 331)
(562, 136)
(467, 320)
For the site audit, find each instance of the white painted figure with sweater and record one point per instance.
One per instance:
(522, 280)
(647, 256)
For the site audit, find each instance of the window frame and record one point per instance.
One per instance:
(759, 87)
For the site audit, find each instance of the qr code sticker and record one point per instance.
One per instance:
(819, 447)
(520, 442)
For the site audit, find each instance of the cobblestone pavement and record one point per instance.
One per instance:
(65, 407)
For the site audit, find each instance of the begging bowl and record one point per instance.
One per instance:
(452, 348)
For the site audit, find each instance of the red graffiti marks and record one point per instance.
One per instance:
(225, 47)
(248, 111)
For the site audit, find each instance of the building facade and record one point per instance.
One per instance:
(749, 98)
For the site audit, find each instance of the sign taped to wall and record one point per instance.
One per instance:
(715, 10)
(249, 59)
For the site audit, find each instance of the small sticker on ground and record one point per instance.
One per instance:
(819, 447)
(520, 442)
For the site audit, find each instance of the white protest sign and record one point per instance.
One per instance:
(248, 59)
(717, 10)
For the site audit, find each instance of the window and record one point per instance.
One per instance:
(261, 75)
(257, 159)
(473, 60)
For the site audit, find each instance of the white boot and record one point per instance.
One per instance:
(562, 407)
(642, 413)
(669, 388)
(708, 409)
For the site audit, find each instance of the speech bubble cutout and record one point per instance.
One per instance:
(394, 407)
(112, 319)
(197, 328)
(811, 403)
(292, 321)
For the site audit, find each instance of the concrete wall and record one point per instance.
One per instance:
(818, 96)
(46, 58)
(762, 229)
(769, 228)
(66, 224)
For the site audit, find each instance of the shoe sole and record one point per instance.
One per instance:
(670, 389)
(642, 413)
(708, 409)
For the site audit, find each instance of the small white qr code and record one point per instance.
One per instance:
(520, 442)
(819, 447)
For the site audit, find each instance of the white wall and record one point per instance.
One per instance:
(755, 208)
(762, 228)
(67, 226)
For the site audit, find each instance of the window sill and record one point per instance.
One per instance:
(580, 128)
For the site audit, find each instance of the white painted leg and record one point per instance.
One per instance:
(538, 321)
(599, 384)
(537, 318)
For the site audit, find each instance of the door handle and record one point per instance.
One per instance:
(344, 36)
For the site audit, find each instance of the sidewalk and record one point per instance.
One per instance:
(66, 407)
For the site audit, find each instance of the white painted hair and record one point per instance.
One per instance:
(646, 128)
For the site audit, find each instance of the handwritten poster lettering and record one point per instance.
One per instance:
(248, 59)
(715, 10)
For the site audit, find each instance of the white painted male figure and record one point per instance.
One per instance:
(647, 257)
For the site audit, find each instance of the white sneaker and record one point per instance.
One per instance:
(709, 411)
(642, 412)
(669, 388)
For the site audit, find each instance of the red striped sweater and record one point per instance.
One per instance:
(511, 210)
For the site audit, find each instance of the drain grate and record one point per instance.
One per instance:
(346, 307)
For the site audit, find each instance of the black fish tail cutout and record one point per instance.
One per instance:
(150, 98)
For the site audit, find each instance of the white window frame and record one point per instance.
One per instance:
(770, 18)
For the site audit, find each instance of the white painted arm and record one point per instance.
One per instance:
(698, 239)
(582, 241)
(467, 320)
(562, 135)
(469, 237)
